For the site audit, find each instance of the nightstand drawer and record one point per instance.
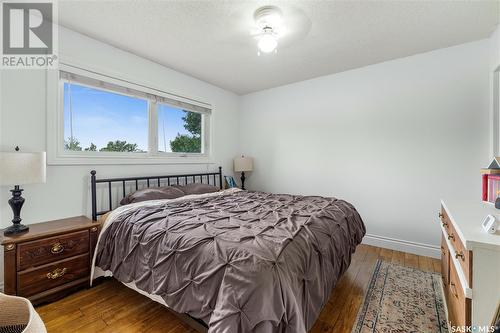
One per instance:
(52, 275)
(39, 252)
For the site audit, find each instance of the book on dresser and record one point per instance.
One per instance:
(470, 263)
(51, 260)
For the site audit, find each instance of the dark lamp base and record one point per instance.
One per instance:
(16, 203)
(15, 229)
(243, 180)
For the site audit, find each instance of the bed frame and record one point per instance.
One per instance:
(210, 178)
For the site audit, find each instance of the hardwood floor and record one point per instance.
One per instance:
(112, 307)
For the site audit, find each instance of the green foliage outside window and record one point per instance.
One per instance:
(92, 147)
(183, 143)
(72, 144)
(121, 146)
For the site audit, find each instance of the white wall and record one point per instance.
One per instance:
(391, 138)
(494, 93)
(66, 193)
(495, 49)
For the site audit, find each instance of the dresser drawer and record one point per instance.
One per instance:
(445, 261)
(42, 278)
(463, 256)
(39, 252)
(459, 307)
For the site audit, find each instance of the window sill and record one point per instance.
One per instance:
(127, 160)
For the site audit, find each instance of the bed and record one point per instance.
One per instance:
(232, 260)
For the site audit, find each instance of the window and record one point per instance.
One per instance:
(99, 120)
(112, 118)
(179, 130)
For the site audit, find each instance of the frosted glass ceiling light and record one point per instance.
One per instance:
(269, 20)
(267, 42)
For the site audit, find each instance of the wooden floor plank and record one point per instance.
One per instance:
(346, 315)
(95, 326)
(411, 260)
(386, 254)
(425, 264)
(398, 257)
(436, 265)
(111, 307)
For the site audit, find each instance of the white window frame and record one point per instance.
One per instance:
(57, 155)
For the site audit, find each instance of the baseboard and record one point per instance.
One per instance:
(403, 245)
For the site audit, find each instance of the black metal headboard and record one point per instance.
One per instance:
(169, 179)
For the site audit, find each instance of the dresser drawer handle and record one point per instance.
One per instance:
(451, 237)
(443, 251)
(454, 291)
(460, 255)
(56, 273)
(440, 215)
(57, 248)
(445, 224)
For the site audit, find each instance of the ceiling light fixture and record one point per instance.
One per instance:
(267, 41)
(268, 19)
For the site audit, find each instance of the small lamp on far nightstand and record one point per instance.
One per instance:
(242, 164)
(16, 169)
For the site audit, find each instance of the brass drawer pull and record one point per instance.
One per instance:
(454, 291)
(57, 248)
(443, 251)
(451, 237)
(440, 215)
(460, 255)
(56, 273)
(445, 224)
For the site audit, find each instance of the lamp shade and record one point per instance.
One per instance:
(18, 168)
(243, 164)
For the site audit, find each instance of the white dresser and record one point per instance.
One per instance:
(470, 262)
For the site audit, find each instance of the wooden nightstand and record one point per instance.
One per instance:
(51, 260)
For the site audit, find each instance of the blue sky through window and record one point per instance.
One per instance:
(102, 116)
(170, 124)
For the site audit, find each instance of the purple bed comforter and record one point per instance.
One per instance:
(241, 262)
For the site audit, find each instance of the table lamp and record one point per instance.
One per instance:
(242, 164)
(20, 168)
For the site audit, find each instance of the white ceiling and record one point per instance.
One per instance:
(211, 40)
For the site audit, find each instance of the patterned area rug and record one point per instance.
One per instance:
(402, 299)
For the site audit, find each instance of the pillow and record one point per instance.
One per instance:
(197, 188)
(152, 193)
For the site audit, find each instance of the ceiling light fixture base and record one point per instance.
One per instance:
(268, 19)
